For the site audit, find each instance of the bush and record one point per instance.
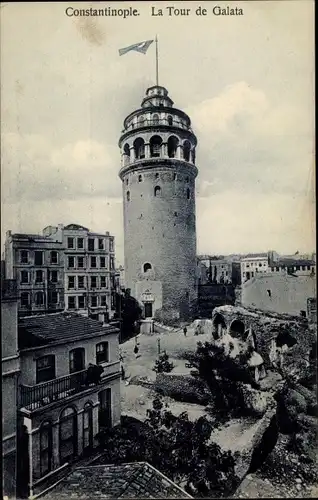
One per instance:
(162, 364)
(183, 388)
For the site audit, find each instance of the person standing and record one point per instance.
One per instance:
(136, 350)
(185, 331)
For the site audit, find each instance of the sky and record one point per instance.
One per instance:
(245, 81)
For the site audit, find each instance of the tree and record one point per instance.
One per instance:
(129, 313)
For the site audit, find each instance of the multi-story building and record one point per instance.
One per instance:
(214, 270)
(37, 264)
(10, 373)
(62, 404)
(252, 264)
(89, 274)
(298, 267)
(158, 172)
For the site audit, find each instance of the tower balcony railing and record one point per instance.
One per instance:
(152, 123)
(32, 397)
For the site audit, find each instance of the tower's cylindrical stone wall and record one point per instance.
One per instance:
(158, 178)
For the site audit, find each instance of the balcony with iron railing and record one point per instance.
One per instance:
(153, 123)
(33, 397)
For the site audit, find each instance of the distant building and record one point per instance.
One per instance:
(214, 270)
(298, 267)
(10, 373)
(279, 292)
(37, 264)
(252, 264)
(89, 274)
(63, 402)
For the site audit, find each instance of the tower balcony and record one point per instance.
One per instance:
(33, 397)
(160, 122)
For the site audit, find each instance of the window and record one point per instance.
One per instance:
(111, 245)
(127, 181)
(308, 268)
(54, 297)
(38, 276)
(93, 261)
(157, 191)
(260, 264)
(24, 277)
(45, 368)
(53, 276)
(170, 120)
(81, 282)
(140, 178)
(303, 268)
(111, 263)
(157, 176)
(127, 150)
(173, 143)
(102, 261)
(87, 426)
(93, 281)
(25, 299)
(94, 301)
(70, 242)
(102, 355)
(100, 244)
(155, 119)
(91, 244)
(54, 257)
(71, 282)
(174, 176)
(45, 448)
(188, 194)
(71, 302)
(103, 282)
(186, 150)
(39, 298)
(80, 262)
(155, 146)
(81, 302)
(141, 121)
(80, 243)
(297, 268)
(24, 257)
(71, 262)
(68, 435)
(147, 267)
(128, 196)
(38, 258)
(77, 360)
(139, 147)
(103, 302)
(269, 293)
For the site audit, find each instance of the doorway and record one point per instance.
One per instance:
(105, 408)
(148, 309)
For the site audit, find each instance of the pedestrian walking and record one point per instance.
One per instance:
(136, 350)
(185, 331)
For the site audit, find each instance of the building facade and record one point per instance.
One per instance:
(214, 270)
(89, 273)
(10, 373)
(62, 404)
(253, 264)
(37, 264)
(158, 175)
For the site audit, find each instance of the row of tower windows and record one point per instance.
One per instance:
(140, 178)
(158, 193)
(155, 119)
(157, 148)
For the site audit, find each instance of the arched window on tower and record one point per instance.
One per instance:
(193, 156)
(172, 146)
(186, 150)
(139, 147)
(188, 194)
(155, 146)
(147, 267)
(126, 154)
(155, 119)
(157, 191)
(128, 195)
(170, 120)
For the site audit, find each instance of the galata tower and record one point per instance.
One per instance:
(158, 172)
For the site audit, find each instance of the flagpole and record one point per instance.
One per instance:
(157, 64)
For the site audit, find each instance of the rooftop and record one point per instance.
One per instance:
(35, 331)
(133, 480)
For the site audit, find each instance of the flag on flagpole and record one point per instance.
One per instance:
(141, 47)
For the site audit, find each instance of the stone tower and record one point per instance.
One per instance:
(158, 176)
